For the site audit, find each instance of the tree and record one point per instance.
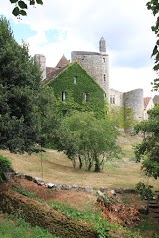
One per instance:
(153, 5)
(148, 150)
(21, 6)
(123, 117)
(21, 93)
(88, 139)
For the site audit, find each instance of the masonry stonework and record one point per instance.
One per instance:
(41, 60)
(96, 65)
(134, 100)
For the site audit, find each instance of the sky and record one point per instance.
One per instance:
(61, 26)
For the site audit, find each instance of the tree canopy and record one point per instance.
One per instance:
(21, 93)
(148, 150)
(153, 5)
(87, 139)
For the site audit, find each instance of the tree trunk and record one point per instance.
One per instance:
(97, 163)
(80, 162)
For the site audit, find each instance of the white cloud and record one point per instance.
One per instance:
(125, 25)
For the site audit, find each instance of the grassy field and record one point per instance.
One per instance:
(57, 168)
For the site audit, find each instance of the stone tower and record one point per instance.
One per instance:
(41, 60)
(96, 64)
(102, 47)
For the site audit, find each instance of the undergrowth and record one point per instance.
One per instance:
(95, 217)
(12, 227)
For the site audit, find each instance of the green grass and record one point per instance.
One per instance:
(149, 228)
(12, 227)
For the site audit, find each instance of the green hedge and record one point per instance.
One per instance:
(38, 214)
(5, 166)
(64, 82)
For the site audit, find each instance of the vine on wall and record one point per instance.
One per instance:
(75, 90)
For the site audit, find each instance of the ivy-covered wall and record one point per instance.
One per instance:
(77, 86)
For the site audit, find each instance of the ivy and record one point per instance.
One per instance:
(64, 82)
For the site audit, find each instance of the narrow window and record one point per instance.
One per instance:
(75, 79)
(104, 60)
(85, 97)
(112, 99)
(64, 96)
(105, 95)
(104, 77)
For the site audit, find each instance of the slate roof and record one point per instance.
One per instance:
(53, 72)
(62, 62)
(156, 99)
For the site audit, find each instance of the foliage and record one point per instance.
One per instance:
(116, 211)
(5, 166)
(153, 5)
(94, 217)
(92, 141)
(118, 231)
(11, 226)
(122, 117)
(148, 150)
(19, 189)
(25, 104)
(144, 190)
(64, 82)
(21, 6)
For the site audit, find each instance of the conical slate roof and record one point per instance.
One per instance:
(63, 62)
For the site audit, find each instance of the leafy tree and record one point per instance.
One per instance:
(22, 95)
(21, 6)
(148, 150)
(122, 117)
(88, 139)
(153, 5)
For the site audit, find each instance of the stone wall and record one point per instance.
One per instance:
(41, 60)
(118, 97)
(134, 100)
(96, 65)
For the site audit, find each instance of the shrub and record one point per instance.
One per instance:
(5, 166)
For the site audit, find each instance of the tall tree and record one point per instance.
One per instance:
(148, 149)
(20, 94)
(153, 5)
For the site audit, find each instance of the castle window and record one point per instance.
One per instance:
(112, 99)
(104, 77)
(64, 96)
(105, 95)
(85, 97)
(104, 60)
(75, 79)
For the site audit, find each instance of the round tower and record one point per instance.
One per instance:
(96, 64)
(134, 100)
(41, 60)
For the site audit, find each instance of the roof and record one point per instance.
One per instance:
(146, 101)
(86, 53)
(52, 73)
(156, 99)
(63, 62)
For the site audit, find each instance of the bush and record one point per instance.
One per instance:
(144, 191)
(5, 166)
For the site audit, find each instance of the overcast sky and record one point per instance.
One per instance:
(61, 26)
